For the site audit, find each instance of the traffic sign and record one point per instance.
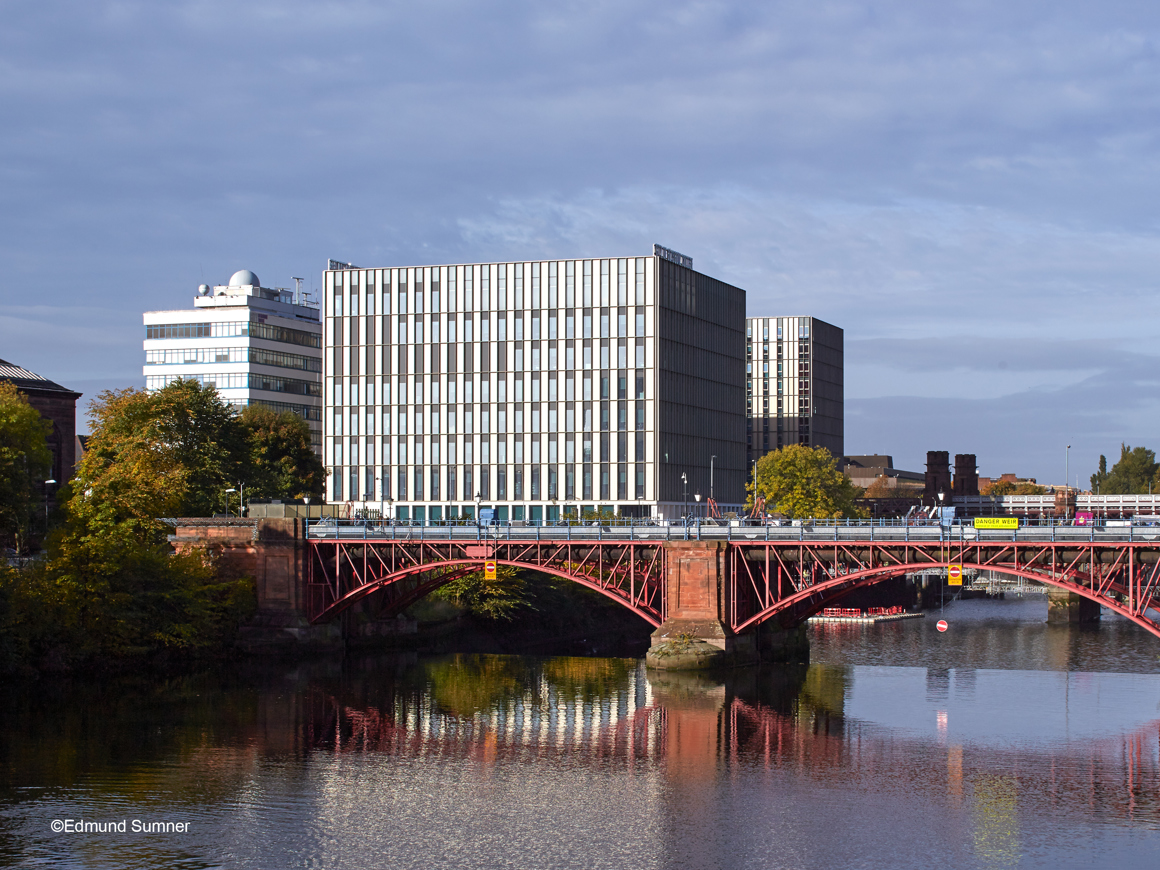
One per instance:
(954, 575)
(489, 570)
(942, 625)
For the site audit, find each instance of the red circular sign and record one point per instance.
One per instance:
(942, 625)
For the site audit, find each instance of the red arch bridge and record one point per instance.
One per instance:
(725, 583)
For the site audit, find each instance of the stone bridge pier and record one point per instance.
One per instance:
(272, 552)
(696, 632)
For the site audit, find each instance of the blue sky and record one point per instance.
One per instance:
(969, 189)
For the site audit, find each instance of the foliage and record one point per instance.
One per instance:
(604, 516)
(496, 599)
(800, 481)
(882, 487)
(25, 461)
(281, 462)
(1008, 487)
(1134, 473)
(116, 598)
(110, 587)
(168, 453)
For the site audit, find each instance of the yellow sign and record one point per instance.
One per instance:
(954, 575)
(996, 522)
(489, 570)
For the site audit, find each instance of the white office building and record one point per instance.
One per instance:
(258, 345)
(537, 388)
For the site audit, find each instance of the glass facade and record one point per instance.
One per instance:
(540, 388)
(475, 377)
(793, 385)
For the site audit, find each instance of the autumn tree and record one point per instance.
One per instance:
(25, 461)
(116, 589)
(800, 481)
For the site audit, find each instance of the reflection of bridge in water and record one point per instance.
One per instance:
(595, 712)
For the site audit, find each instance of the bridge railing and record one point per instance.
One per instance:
(698, 529)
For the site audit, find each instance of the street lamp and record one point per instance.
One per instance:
(697, 499)
(228, 491)
(712, 461)
(1066, 489)
(52, 480)
(478, 499)
(685, 481)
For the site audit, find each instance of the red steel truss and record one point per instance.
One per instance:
(790, 581)
(339, 573)
(783, 580)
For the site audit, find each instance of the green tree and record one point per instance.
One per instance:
(498, 598)
(800, 481)
(25, 461)
(281, 462)
(1099, 479)
(1132, 474)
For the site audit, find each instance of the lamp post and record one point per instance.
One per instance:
(712, 461)
(478, 499)
(1066, 487)
(382, 500)
(697, 499)
(47, 483)
(685, 481)
(228, 491)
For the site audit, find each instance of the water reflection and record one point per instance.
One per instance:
(576, 762)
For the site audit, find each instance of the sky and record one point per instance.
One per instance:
(968, 189)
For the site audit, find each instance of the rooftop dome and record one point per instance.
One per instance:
(244, 277)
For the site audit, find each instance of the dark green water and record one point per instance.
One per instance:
(1002, 743)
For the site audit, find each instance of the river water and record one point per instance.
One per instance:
(1002, 743)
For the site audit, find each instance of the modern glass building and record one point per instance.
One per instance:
(257, 345)
(793, 385)
(537, 388)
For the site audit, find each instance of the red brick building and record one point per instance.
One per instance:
(58, 405)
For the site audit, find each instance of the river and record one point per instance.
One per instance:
(1001, 743)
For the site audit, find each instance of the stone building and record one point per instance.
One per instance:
(56, 404)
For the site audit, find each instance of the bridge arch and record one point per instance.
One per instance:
(644, 602)
(809, 600)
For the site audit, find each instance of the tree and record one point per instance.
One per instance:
(281, 462)
(111, 583)
(25, 461)
(800, 481)
(1133, 474)
(882, 487)
(168, 453)
(1100, 478)
(496, 599)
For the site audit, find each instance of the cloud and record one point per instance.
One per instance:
(952, 184)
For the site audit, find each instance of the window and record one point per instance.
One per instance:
(236, 329)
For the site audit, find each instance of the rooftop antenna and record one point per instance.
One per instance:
(297, 290)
